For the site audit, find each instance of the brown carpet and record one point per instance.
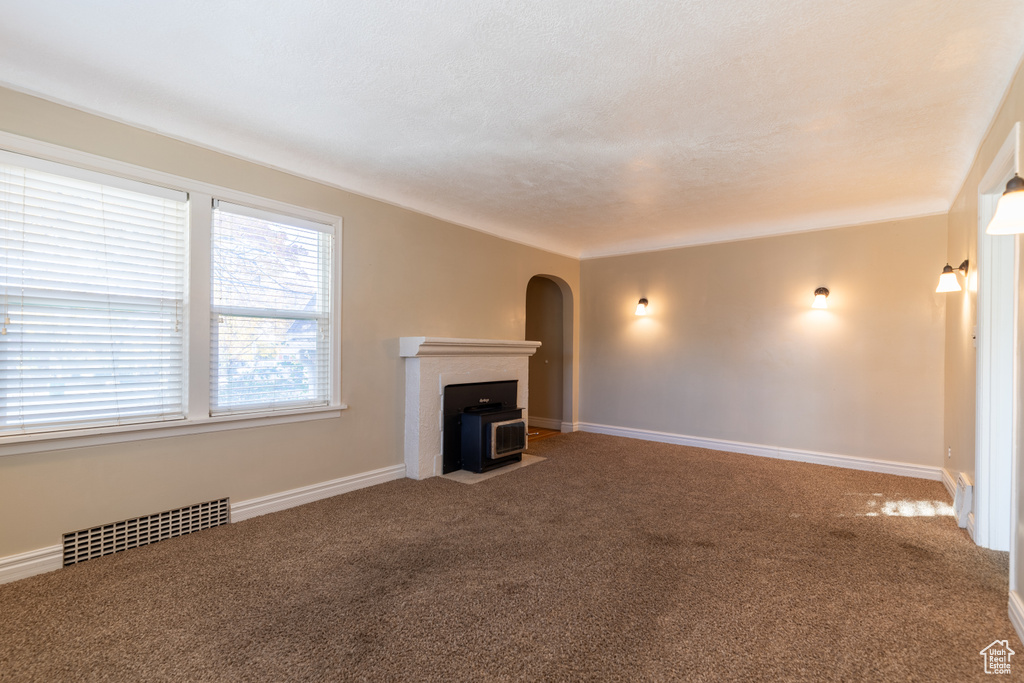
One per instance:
(613, 559)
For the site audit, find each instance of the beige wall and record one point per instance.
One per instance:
(544, 324)
(404, 274)
(732, 350)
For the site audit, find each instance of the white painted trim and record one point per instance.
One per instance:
(337, 313)
(420, 347)
(1016, 612)
(197, 308)
(1014, 521)
(970, 525)
(995, 412)
(276, 502)
(545, 422)
(904, 469)
(24, 565)
(949, 482)
(80, 438)
(570, 427)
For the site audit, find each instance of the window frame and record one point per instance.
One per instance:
(198, 250)
(301, 224)
(59, 205)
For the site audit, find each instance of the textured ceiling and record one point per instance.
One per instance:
(586, 128)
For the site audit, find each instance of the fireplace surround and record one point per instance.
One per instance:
(431, 364)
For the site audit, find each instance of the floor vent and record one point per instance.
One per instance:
(87, 544)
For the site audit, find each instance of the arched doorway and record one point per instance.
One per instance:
(545, 322)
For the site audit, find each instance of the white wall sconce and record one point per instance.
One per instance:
(1009, 217)
(948, 281)
(820, 298)
(641, 308)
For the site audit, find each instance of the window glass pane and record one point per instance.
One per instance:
(260, 264)
(92, 296)
(266, 361)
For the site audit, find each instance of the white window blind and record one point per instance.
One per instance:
(270, 311)
(92, 272)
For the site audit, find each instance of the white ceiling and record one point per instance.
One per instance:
(586, 128)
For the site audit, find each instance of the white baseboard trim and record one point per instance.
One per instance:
(545, 422)
(570, 427)
(903, 469)
(1016, 610)
(24, 565)
(949, 482)
(254, 507)
(970, 526)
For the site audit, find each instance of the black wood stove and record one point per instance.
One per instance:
(483, 428)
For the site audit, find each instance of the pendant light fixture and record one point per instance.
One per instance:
(641, 307)
(820, 298)
(1009, 217)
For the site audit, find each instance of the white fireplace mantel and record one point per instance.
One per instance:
(431, 364)
(420, 347)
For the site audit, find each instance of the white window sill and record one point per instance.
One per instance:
(98, 436)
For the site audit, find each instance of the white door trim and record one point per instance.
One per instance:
(997, 312)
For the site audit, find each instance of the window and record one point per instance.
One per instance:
(271, 325)
(127, 306)
(93, 282)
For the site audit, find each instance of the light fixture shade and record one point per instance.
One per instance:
(641, 307)
(820, 298)
(948, 281)
(1009, 218)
